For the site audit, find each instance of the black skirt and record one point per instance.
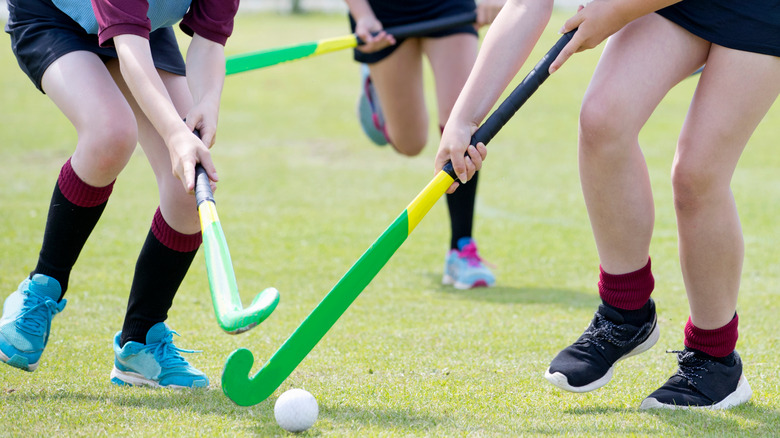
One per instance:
(393, 13)
(41, 34)
(750, 26)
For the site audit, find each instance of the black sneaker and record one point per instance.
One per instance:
(588, 363)
(702, 382)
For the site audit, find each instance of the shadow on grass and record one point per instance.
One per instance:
(524, 295)
(257, 419)
(746, 420)
(356, 418)
(137, 400)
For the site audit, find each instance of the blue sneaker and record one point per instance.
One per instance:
(465, 269)
(26, 321)
(156, 363)
(369, 111)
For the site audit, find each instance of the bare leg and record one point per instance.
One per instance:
(613, 171)
(452, 59)
(80, 86)
(735, 91)
(177, 206)
(398, 80)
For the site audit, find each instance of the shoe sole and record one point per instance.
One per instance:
(17, 361)
(126, 378)
(740, 395)
(365, 116)
(447, 280)
(561, 381)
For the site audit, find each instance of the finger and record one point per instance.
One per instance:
(378, 36)
(207, 136)
(571, 48)
(482, 149)
(208, 165)
(453, 187)
(439, 162)
(476, 158)
(573, 22)
(188, 177)
(364, 35)
(459, 166)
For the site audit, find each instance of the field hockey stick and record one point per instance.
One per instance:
(231, 315)
(265, 58)
(246, 391)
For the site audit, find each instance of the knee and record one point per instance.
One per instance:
(110, 142)
(692, 185)
(601, 127)
(409, 144)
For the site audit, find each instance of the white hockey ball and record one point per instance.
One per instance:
(296, 410)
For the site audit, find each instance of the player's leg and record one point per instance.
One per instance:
(79, 84)
(735, 91)
(639, 65)
(398, 81)
(170, 247)
(452, 58)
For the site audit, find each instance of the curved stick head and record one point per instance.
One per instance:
(236, 383)
(261, 308)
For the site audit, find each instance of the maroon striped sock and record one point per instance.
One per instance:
(164, 261)
(80, 193)
(719, 342)
(74, 210)
(628, 291)
(173, 239)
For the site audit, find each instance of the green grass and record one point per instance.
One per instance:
(302, 195)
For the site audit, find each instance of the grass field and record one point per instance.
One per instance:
(302, 195)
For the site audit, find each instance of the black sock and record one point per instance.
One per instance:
(158, 275)
(634, 317)
(461, 207)
(68, 226)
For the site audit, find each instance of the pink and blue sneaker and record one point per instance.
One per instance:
(465, 269)
(369, 111)
(26, 321)
(156, 363)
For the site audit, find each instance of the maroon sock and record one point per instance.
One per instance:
(719, 342)
(629, 291)
(164, 261)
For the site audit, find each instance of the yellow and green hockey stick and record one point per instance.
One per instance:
(269, 57)
(230, 313)
(246, 391)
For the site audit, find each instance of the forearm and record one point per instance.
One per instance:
(205, 71)
(506, 47)
(140, 75)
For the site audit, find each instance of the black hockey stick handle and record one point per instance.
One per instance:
(424, 28)
(516, 99)
(203, 191)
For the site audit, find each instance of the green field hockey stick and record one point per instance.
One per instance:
(246, 391)
(231, 315)
(265, 58)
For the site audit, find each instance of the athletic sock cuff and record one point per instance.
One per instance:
(627, 291)
(719, 342)
(173, 239)
(80, 193)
